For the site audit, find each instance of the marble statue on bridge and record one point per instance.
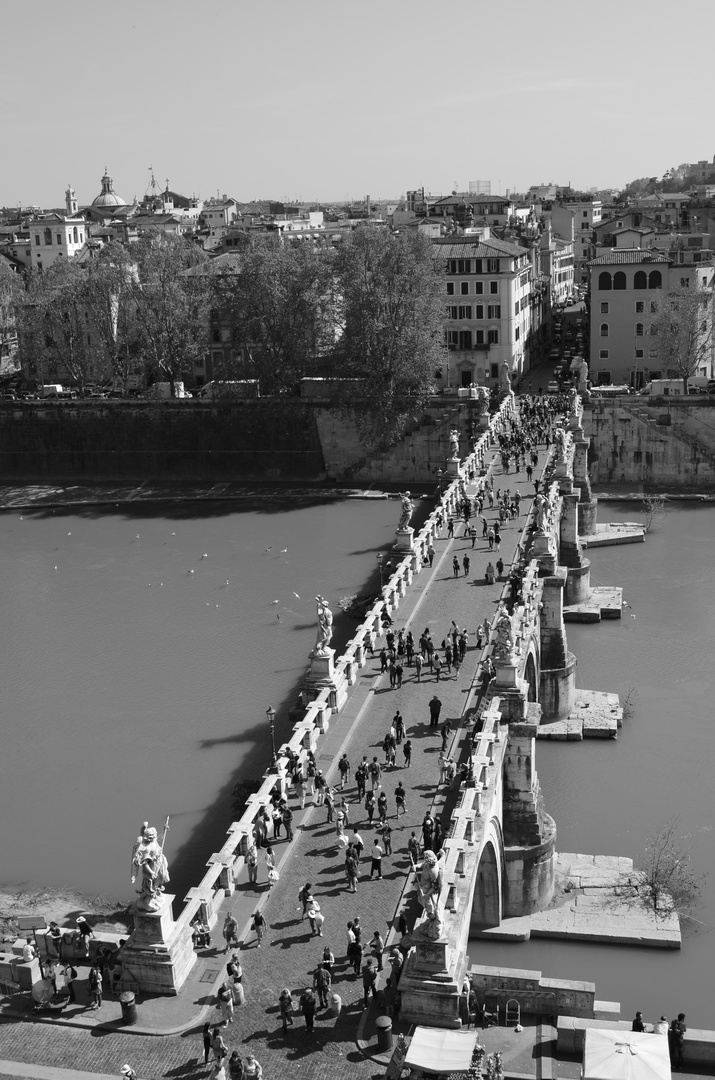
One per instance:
(543, 508)
(431, 882)
(406, 510)
(504, 640)
(149, 860)
(325, 627)
(454, 443)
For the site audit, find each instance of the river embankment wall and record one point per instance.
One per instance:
(652, 443)
(277, 439)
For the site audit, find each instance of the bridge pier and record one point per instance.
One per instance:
(578, 581)
(557, 683)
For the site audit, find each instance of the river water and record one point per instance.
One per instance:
(136, 673)
(133, 689)
(608, 797)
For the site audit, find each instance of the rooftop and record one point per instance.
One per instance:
(622, 256)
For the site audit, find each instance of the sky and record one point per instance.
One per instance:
(320, 100)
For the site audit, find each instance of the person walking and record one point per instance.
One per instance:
(427, 831)
(329, 804)
(382, 806)
(230, 932)
(344, 770)
(95, 986)
(399, 673)
(399, 726)
(361, 779)
(500, 567)
(206, 1036)
(418, 667)
(369, 978)
(437, 664)
(252, 1069)
(430, 553)
(321, 983)
(445, 731)
(678, 1029)
(375, 773)
(259, 927)
(235, 974)
(455, 566)
(386, 831)
(414, 850)
(351, 869)
(319, 788)
(400, 800)
(358, 844)
(224, 1001)
(316, 918)
(376, 867)
(407, 751)
(370, 805)
(466, 564)
(305, 897)
(435, 707)
(307, 1007)
(450, 528)
(285, 1004)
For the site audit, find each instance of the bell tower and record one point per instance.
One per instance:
(70, 201)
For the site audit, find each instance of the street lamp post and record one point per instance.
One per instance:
(440, 474)
(271, 714)
(379, 566)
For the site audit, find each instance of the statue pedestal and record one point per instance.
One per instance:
(483, 422)
(159, 953)
(321, 675)
(404, 540)
(430, 991)
(454, 468)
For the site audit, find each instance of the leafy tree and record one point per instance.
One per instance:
(56, 328)
(392, 318)
(276, 302)
(109, 290)
(683, 324)
(170, 303)
(11, 290)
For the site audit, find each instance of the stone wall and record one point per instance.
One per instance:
(663, 443)
(180, 439)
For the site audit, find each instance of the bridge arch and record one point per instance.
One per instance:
(531, 676)
(487, 896)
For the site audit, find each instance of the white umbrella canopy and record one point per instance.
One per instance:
(625, 1055)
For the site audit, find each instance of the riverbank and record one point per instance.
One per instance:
(61, 905)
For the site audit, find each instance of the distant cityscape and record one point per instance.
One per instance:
(507, 265)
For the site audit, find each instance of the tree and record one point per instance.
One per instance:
(11, 291)
(276, 302)
(109, 291)
(667, 881)
(56, 328)
(170, 304)
(683, 323)
(392, 319)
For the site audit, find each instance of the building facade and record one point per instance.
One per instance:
(574, 219)
(490, 294)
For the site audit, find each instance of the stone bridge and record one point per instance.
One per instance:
(500, 848)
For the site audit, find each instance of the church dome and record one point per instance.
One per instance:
(108, 198)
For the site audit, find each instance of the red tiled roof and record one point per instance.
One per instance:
(624, 256)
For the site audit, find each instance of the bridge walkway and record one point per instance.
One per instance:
(289, 953)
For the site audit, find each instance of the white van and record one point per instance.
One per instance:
(52, 390)
(663, 388)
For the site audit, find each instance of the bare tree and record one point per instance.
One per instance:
(668, 882)
(683, 324)
(654, 506)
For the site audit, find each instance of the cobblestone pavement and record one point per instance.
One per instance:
(289, 953)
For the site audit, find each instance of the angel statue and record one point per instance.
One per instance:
(454, 442)
(405, 510)
(325, 627)
(148, 859)
(430, 886)
(504, 636)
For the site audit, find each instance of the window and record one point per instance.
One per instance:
(652, 353)
(37, 238)
(639, 354)
(493, 337)
(640, 307)
(584, 225)
(494, 371)
(494, 311)
(492, 266)
(479, 311)
(59, 239)
(655, 279)
(639, 329)
(48, 237)
(465, 311)
(585, 213)
(640, 281)
(464, 266)
(619, 280)
(479, 287)
(74, 234)
(604, 329)
(516, 334)
(603, 354)
(604, 281)
(452, 312)
(516, 308)
(464, 288)
(478, 266)
(479, 337)
(452, 339)
(450, 288)
(604, 307)
(465, 339)
(493, 287)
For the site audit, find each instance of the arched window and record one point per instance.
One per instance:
(640, 281)
(74, 234)
(619, 280)
(48, 237)
(604, 281)
(604, 329)
(655, 280)
(639, 329)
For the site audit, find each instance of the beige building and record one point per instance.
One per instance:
(625, 284)
(491, 291)
(574, 219)
(57, 236)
